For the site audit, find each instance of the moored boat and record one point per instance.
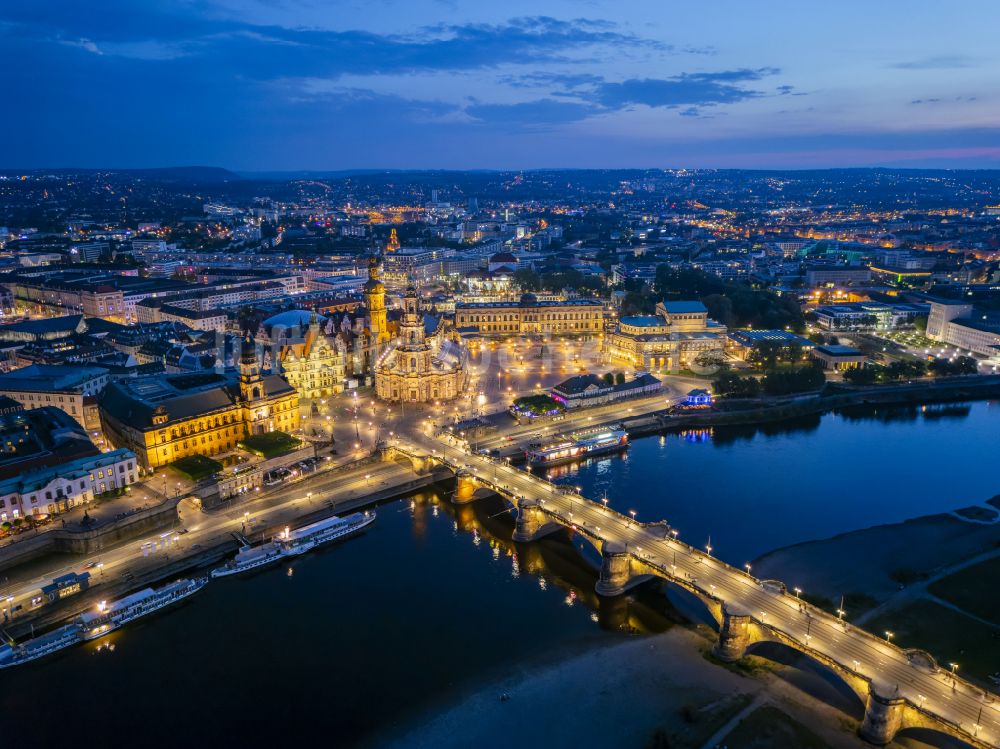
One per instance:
(109, 617)
(41, 646)
(577, 446)
(301, 540)
(248, 558)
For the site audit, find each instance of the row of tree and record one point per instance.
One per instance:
(895, 371)
(784, 381)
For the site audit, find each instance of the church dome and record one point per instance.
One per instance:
(529, 300)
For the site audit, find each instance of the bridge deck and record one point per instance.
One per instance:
(959, 705)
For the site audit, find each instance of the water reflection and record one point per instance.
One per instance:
(563, 560)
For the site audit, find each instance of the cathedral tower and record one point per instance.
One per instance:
(375, 302)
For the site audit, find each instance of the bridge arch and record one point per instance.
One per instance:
(846, 693)
(934, 736)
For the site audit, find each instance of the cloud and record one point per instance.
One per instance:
(185, 29)
(939, 62)
(568, 81)
(686, 89)
(84, 44)
(539, 113)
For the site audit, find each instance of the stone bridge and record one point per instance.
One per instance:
(900, 689)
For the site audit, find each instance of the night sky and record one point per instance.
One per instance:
(318, 84)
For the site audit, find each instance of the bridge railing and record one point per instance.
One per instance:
(806, 607)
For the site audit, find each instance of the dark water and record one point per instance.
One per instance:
(432, 602)
(756, 489)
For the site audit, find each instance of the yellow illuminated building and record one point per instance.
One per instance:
(164, 418)
(374, 292)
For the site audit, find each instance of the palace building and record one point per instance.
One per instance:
(164, 418)
(529, 316)
(314, 363)
(418, 369)
(671, 339)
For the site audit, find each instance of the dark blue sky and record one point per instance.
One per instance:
(320, 84)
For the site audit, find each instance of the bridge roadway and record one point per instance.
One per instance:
(970, 712)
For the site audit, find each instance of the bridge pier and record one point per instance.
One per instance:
(532, 522)
(616, 569)
(465, 488)
(883, 715)
(734, 635)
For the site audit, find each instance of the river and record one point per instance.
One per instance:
(362, 637)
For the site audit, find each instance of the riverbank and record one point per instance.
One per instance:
(833, 397)
(877, 561)
(930, 581)
(657, 690)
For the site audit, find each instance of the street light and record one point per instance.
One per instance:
(888, 636)
(798, 592)
(632, 513)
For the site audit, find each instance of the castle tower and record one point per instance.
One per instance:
(393, 243)
(251, 388)
(375, 302)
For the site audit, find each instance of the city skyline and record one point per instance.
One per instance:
(523, 86)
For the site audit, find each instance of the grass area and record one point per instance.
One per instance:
(693, 724)
(768, 727)
(270, 444)
(196, 467)
(973, 589)
(949, 636)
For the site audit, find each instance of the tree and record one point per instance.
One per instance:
(765, 354)
(961, 365)
(734, 386)
(527, 280)
(609, 378)
(619, 378)
(719, 308)
(862, 375)
(794, 380)
(920, 323)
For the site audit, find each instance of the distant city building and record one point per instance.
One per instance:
(72, 389)
(529, 316)
(840, 275)
(959, 325)
(671, 339)
(839, 358)
(742, 343)
(54, 489)
(591, 390)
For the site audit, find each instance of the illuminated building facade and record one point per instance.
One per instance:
(164, 418)
(529, 316)
(671, 339)
(416, 369)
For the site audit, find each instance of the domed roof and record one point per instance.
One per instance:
(292, 318)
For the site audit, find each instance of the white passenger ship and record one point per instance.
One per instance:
(301, 540)
(579, 445)
(41, 646)
(109, 617)
(250, 557)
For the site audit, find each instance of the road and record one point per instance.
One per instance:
(204, 529)
(871, 657)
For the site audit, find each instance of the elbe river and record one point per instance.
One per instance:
(433, 601)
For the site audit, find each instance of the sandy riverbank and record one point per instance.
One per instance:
(620, 695)
(871, 561)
